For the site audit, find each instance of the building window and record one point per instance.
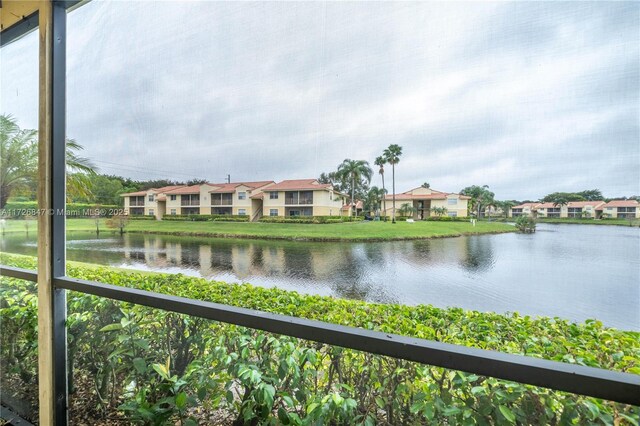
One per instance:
(452, 214)
(174, 197)
(273, 212)
(273, 195)
(242, 195)
(151, 212)
(173, 211)
(452, 201)
(242, 212)
(151, 197)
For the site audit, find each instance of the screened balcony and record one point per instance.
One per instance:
(83, 343)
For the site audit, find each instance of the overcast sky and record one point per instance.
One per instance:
(528, 98)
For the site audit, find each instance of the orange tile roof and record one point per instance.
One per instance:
(152, 190)
(435, 195)
(521, 206)
(134, 194)
(359, 206)
(584, 203)
(621, 203)
(298, 184)
(545, 206)
(193, 189)
(231, 187)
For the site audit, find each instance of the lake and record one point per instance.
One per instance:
(574, 272)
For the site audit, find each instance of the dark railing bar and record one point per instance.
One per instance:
(19, 273)
(589, 381)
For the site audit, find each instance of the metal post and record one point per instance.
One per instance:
(52, 339)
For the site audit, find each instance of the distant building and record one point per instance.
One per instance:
(525, 209)
(425, 200)
(621, 209)
(300, 197)
(579, 209)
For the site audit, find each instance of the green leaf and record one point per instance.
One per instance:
(380, 402)
(140, 365)
(181, 400)
(507, 413)
(111, 327)
(161, 370)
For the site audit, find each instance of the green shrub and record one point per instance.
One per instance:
(156, 367)
(207, 217)
(141, 217)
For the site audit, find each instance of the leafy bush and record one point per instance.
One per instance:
(526, 224)
(157, 367)
(310, 219)
(141, 217)
(207, 217)
(448, 219)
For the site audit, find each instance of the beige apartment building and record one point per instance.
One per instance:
(299, 197)
(425, 200)
(621, 209)
(579, 209)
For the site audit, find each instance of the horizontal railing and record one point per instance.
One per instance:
(294, 202)
(578, 379)
(136, 203)
(222, 202)
(190, 203)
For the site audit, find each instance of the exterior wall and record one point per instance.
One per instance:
(460, 208)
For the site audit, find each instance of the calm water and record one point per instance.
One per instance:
(570, 271)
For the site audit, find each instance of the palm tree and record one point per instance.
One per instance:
(18, 157)
(354, 171)
(406, 209)
(380, 162)
(374, 196)
(19, 162)
(392, 156)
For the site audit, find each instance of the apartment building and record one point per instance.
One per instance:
(425, 200)
(578, 209)
(621, 209)
(149, 202)
(301, 197)
(298, 197)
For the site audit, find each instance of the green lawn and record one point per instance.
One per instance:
(361, 231)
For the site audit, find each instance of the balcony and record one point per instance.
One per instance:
(223, 202)
(136, 203)
(190, 202)
(298, 198)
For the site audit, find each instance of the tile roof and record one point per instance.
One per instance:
(584, 203)
(621, 203)
(231, 187)
(152, 190)
(193, 189)
(523, 205)
(359, 206)
(435, 195)
(298, 184)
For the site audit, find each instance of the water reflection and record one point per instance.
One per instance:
(574, 272)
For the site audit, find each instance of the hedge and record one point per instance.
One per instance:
(207, 217)
(154, 367)
(309, 219)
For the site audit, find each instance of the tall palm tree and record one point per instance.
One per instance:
(354, 171)
(373, 199)
(392, 156)
(19, 161)
(380, 162)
